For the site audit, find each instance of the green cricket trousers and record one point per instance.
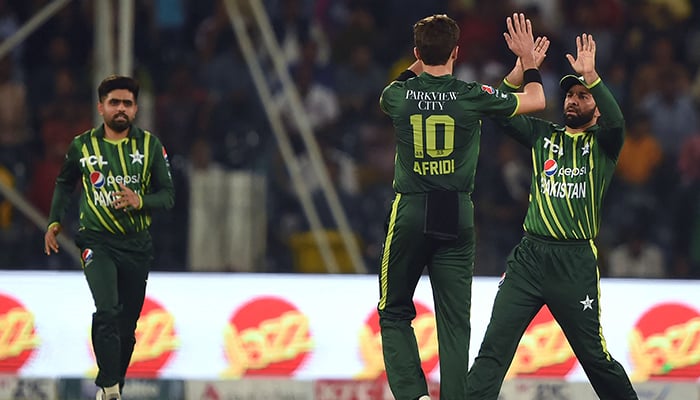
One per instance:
(564, 276)
(116, 269)
(450, 264)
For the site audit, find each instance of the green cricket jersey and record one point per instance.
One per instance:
(139, 162)
(437, 120)
(571, 171)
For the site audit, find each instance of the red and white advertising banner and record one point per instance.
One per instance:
(321, 327)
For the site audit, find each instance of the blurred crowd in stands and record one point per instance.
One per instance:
(199, 98)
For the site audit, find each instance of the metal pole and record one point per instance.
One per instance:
(30, 26)
(307, 135)
(126, 37)
(283, 141)
(103, 47)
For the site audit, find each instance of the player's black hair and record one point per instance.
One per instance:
(435, 37)
(114, 82)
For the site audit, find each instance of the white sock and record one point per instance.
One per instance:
(112, 390)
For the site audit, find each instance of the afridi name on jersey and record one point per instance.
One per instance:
(434, 167)
(437, 121)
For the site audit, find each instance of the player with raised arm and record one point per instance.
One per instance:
(437, 122)
(556, 262)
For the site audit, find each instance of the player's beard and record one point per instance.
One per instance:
(119, 125)
(578, 120)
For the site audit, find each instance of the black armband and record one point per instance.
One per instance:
(532, 75)
(406, 75)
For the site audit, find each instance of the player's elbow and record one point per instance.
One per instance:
(531, 102)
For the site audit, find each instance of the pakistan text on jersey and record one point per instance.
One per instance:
(429, 101)
(440, 167)
(562, 190)
(105, 199)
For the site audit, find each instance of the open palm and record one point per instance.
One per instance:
(585, 55)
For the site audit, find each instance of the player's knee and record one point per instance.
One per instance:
(389, 318)
(593, 360)
(108, 316)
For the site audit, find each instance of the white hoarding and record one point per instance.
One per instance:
(307, 327)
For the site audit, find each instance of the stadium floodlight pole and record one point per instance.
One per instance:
(103, 48)
(280, 65)
(247, 49)
(30, 26)
(126, 37)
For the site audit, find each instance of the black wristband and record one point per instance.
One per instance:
(406, 75)
(532, 75)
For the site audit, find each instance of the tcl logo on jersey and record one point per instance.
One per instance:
(371, 343)
(266, 337)
(92, 161)
(18, 338)
(543, 350)
(556, 149)
(665, 344)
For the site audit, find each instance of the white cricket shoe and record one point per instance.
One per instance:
(109, 393)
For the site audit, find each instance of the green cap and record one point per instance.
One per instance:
(570, 80)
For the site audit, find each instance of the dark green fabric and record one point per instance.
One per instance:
(437, 123)
(450, 265)
(139, 162)
(116, 274)
(571, 171)
(563, 275)
(442, 215)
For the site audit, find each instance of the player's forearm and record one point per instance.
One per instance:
(610, 111)
(590, 77)
(161, 199)
(60, 202)
(514, 79)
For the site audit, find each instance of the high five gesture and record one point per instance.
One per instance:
(584, 63)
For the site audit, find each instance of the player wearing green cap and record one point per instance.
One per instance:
(556, 262)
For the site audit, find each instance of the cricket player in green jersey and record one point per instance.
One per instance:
(556, 262)
(124, 175)
(437, 122)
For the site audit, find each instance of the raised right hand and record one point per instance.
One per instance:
(520, 39)
(585, 55)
